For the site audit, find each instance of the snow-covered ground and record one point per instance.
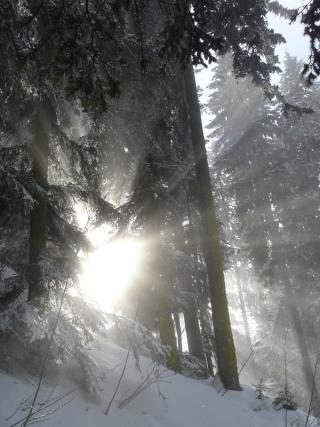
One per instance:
(172, 401)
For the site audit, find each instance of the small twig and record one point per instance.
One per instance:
(246, 361)
(312, 391)
(254, 348)
(17, 409)
(119, 381)
(243, 365)
(135, 393)
(52, 401)
(285, 374)
(122, 372)
(152, 377)
(55, 400)
(115, 367)
(42, 417)
(316, 419)
(48, 399)
(45, 360)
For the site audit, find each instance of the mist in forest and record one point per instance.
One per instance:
(265, 170)
(159, 194)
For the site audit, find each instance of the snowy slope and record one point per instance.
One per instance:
(176, 401)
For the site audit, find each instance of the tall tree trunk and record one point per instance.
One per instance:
(176, 317)
(226, 355)
(38, 220)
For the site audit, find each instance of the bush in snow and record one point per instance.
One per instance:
(26, 331)
(193, 367)
(261, 388)
(285, 400)
(140, 339)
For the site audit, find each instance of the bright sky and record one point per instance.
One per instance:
(296, 44)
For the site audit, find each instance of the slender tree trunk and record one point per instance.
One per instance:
(161, 282)
(159, 261)
(161, 285)
(193, 250)
(290, 299)
(239, 286)
(193, 330)
(38, 221)
(190, 312)
(226, 355)
(166, 326)
(202, 317)
(176, 317)
(308, 369)
(243, 309)
(207, 354)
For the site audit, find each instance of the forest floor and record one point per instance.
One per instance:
(171, 400)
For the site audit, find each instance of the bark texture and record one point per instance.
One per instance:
(226, 355)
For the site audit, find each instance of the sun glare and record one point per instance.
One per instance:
(109, 270)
